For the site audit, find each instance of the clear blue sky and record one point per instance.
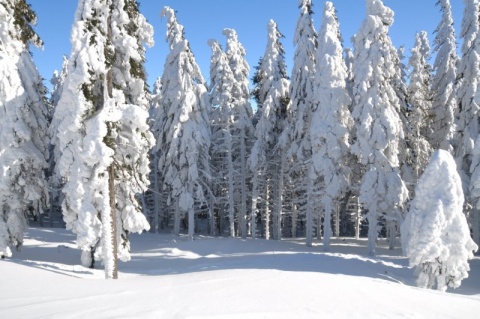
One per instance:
(205, 19)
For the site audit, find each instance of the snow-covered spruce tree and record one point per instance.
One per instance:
(331, 119)
(103, 138)
(221, 118)
(420, 101)
(133, 139)
(23, 132)
(301, 95)
(154, 198)
(443, 82)
(435, 234)
(53, 176)
(467, 127)
(474, 192)
(242, 130)
(379, 130)
(184, 139)
(267, 159)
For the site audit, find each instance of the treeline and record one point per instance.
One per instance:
(334, 148)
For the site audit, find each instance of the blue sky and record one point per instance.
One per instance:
(205, 19)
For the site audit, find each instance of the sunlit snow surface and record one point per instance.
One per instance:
(171, 277)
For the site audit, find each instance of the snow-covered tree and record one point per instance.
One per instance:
(467, 127)
(435, 234)
(420, 101)
(184, 139)
(23, 130)
(221, 119)
(379, 129)
(267, 159)
(331, 119)
(474, 192)
(443, 82)
(301, 95)
(242, 130)
(103, 136)
(53, 176)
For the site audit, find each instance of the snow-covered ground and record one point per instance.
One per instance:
(171, 277)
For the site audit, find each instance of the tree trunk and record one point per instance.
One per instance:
(266, 213)
(294, 220)
(253, 220)
(476, 226)
(327, 227)
(113, 219)
(243, 170)
(392, 234)
(372, 230)
(111, 182)
(278, 198)
(309, 212)
(156, 196)
(358, 219)
(231, 191)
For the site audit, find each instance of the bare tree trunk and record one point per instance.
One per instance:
(113, 219)
(243, 170)
(266, 213)
(309, 211)
(358, 219)
(278, 198)
(156, 196)
(253, 220)
(372, 218)
(294, 220)
(231, 189)
(476, 226)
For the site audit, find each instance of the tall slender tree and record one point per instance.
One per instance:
(23, 132)
(103, 137)
(267, 159)
(184, 139)
(420, 101)
(443, 82)
(331, 119)
(301, 95)
(378, 124)
(222, 119)
(467, 127)
(242, 127)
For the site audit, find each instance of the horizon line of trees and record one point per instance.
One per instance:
(336, 148)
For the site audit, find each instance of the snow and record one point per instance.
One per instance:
(171, 277)
(435, 234)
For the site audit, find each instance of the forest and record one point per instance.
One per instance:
(355, 142)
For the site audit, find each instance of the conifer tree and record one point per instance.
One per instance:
(54, 178)
(420, 101)
(467, 128)
(301, 95)
(184, 139)
(242, 130)
(379, 129)
(267, 159)
(466, 125)
(103, 137)
(331, 119)
(435, 234)
(221, 118)
(443, 82)
(23, 133)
